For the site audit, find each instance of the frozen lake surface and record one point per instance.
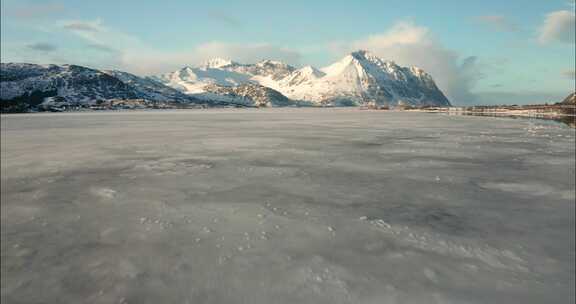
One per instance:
(286, 206)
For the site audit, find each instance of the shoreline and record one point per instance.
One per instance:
(553, 115)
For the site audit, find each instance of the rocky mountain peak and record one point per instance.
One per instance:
(215, 63)
(364, 55)
(268, 62)
(570, 99)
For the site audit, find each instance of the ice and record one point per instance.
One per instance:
(104, 193)
(286, 206)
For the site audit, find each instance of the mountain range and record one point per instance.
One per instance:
(358, 79)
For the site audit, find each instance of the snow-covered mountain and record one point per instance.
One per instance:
(191, 80)
(25, 86)
(301, 76)
(276, 70)
(150, 89)
(72, 82)
(362, 78)
(248, 94)
(223, 72)
(228, 81)
(359, 78)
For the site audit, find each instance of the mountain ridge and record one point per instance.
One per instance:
(359, 78)
(569, 100)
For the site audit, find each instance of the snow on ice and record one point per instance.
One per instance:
(371, 207)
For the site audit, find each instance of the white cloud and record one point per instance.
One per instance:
(402, 33)
(246, 53)
(411, 45)
(558, 26)
(151, 61)
(133, 55)
(95, 32)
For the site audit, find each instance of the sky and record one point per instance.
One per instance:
(478, 52)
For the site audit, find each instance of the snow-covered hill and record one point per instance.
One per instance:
(228, 81)
(223, 72)
(150, 89)
(25, 87)
(72, 82)
(192, 80)
(359, 78)
(248, 94)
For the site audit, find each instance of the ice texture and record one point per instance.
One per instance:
(286, 206)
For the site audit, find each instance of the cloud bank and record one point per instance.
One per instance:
(133, 55)
(246, 52)
(150, 61)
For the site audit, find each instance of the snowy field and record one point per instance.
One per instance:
(286, 206)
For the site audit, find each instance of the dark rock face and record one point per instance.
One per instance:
(277, 70)
(72, 82)
(253, 94)
(150, 89)
(24, 87)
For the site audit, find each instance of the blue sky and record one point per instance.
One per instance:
(478, 51)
